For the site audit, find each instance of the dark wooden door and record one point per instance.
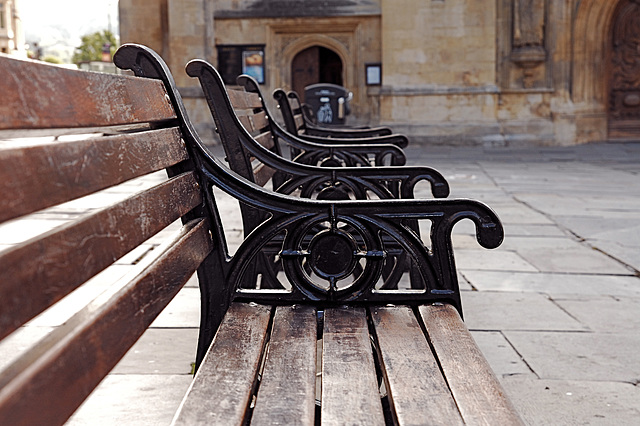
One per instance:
(315, 65)
(624, 72)
(305, 70)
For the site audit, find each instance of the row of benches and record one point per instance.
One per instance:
(314, 268)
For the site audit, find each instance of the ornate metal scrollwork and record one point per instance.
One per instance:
(333, 259)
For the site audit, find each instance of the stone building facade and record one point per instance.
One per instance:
(11, 31)
(492, 72)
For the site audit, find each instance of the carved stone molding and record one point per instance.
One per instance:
(528, 38)
(528, 23)
(525, 43)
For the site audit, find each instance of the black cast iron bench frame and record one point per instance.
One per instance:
(254, 331)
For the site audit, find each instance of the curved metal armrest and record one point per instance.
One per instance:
(347, 133)
(399, 140)
(312, 149)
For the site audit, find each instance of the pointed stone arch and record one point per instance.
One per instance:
(591, 34)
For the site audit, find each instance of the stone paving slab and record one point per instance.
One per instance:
(500, 260)
(554, 284)
(519, 214)
(562, 255)
(579, 355)
(626, 254)
(161, 351)
(502, 357)
(182, 311)
(565, 402)
(133, 399)
(19, 342)
(604, 314)
(516, 311)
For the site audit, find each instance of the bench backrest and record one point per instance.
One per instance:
(126, 127)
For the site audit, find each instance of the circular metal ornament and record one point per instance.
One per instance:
(332, 254)
(332, 259)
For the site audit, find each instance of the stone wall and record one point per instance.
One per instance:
(355, 39)
(491, 72)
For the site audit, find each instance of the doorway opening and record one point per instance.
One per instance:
(313, 65)
(624, 72)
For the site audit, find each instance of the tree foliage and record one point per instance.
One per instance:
(91, 45)
(52, 59)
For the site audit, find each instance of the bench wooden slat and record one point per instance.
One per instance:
(477, 391)
(246, 122)
(244, 100)
(260, 121)
(46, 175)
(414, 380)
(254, 123)
(287, 391)
(48, 383)
(262, 174)
(350, 392)
(221, 391)
(265, 139)
(89, 99)
(39, 272)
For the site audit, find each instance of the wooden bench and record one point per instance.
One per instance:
(326, 348)
(297, 120)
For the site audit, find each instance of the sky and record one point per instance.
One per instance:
(58, 25)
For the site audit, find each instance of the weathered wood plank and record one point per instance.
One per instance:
(246, 122)
(287, 391)
(418, 393)
(49, 382)
(222, 388)
(39, 272)
(265, 139)
(262, 174)
(244, 100)
(350, 392)
(253, 123)
(39, 95)
(260, 120)
(475, 387)
(39, 176)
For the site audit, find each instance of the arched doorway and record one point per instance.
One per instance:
(313, 65)
(624, 71)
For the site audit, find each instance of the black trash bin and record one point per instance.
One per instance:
(329, 102)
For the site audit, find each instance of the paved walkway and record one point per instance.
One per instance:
(555, 309)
